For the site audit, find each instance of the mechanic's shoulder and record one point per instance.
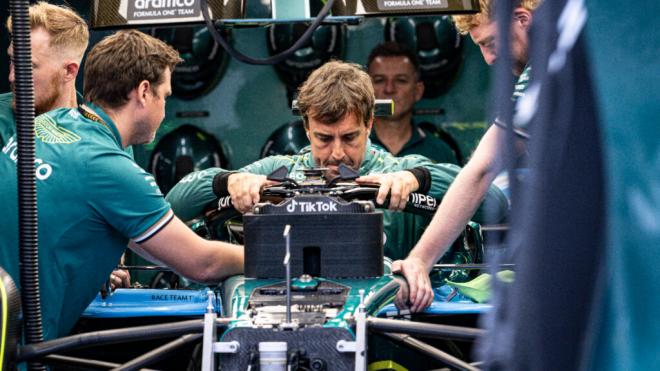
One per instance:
(6, 98)
(93, 140)
(6, 109)
(60, 128)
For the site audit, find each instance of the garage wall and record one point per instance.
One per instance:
(249, 102)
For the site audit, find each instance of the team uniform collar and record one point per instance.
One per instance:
(96, 114)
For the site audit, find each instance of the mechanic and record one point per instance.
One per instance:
(59, 38)
(471, 185)
(394, 71)
(337, 106)
(94, 199)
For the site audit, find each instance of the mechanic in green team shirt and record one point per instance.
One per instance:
(94, 200)
(59, 38)
(394, 71)
(337, 106)
(474, 181)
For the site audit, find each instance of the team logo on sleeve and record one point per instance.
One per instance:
(46, 129)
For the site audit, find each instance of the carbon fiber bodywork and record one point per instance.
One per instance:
(313, 344)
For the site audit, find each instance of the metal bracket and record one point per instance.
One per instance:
(346, 346)
(208, 358)
(361, 335)
(226, 346)
(359, 346)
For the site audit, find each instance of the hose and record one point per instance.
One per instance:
(114, 336)
(27, 187)
(275, 59)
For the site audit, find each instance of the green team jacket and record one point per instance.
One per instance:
(402, 230)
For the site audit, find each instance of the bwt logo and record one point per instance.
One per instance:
(311, 207)
(155, 4)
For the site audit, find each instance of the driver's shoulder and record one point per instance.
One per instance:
(269, 164)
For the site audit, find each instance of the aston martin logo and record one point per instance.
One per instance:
(49, 132)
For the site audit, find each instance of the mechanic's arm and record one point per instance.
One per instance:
(457, 207)
(176, 246)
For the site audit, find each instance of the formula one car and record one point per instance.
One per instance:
(316, 295)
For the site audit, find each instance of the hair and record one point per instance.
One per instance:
(394, 49)
(465, 23)
(120, 62)
(334, 90)
(68, 31)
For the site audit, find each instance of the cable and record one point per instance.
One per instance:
(275, 59)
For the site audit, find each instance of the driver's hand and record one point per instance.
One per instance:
(245, 189)
(397, 185)
(420, 293)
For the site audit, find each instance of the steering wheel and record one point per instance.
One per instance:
(221, 213)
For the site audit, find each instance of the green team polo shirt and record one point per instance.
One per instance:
(522, 83)
(92, 199)
(519, 90)
(402, 230)
(7, 125)
(423, 143)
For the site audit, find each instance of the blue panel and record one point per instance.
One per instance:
(124, 303)
(445, 302)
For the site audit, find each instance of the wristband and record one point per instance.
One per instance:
(220, 180)
(423, 176)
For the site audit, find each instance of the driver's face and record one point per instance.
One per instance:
(344, 141)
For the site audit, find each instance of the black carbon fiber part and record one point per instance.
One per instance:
(317, 342)
(339, 240)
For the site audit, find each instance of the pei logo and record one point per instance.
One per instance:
(149, 11)
(421, 201)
